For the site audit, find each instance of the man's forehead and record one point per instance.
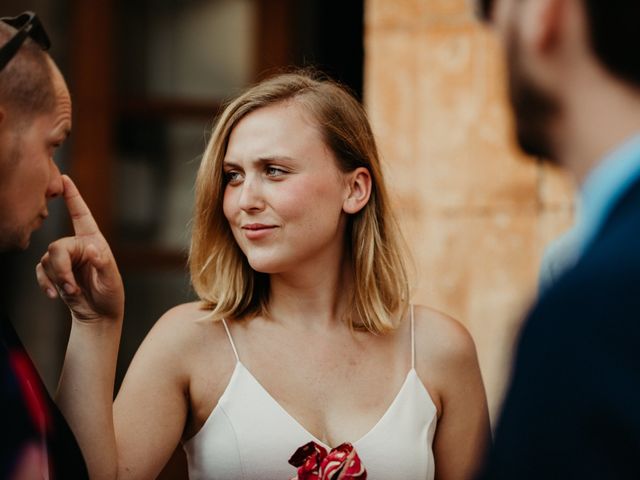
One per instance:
(62, 110)
(59, 83)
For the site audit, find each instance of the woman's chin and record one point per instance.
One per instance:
(265, 266)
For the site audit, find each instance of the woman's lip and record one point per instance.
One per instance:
(256, 231)
(257, 226)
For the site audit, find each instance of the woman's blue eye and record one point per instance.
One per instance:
(275, 172)
(232, 176)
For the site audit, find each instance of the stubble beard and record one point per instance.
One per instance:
(534, 109)
(14, 236)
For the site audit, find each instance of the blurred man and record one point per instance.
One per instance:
(573, 407)
(35, 118)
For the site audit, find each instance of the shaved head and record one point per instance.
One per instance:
(35, 119)
(26, 84)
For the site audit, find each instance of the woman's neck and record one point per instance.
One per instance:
(316, 297)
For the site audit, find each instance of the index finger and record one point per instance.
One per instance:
(81, 218)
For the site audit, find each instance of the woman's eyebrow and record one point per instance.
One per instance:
(273, 158)
(261, 160)
(226, 163)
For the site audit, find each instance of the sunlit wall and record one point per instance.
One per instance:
(475, 212)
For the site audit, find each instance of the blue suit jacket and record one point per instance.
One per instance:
(572, 410)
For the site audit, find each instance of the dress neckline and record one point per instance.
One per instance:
(411, 375)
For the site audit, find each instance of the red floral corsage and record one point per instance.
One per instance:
(314, 463)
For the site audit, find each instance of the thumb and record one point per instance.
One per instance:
(104, 266)
(97, 260)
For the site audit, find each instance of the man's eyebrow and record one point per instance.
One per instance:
(61, 132)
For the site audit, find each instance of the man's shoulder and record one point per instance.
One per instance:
(602, 291)
(596, 298)
(615, 249)
(609, 270)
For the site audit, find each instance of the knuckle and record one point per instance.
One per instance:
(54, 248)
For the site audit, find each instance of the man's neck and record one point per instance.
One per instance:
(597, 119)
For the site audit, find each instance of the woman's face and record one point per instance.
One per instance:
(284, 193)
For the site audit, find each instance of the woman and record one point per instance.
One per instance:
(303, 331)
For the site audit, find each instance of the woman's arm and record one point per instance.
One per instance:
(447, 360)
(150, 411)
(82, 271)
(135, 436)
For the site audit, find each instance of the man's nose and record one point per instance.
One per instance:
(55, 187)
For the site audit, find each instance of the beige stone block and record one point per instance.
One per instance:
(416, 13)
(383, 13)
(447, 11)
(390, 98)
(557, 188)
(482, 270)
(465, 145)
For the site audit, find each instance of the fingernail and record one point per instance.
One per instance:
(51, 293)
(69, 288)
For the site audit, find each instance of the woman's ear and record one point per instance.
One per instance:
(359, 185)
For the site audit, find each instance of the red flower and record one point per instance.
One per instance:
(308, 459)
(314, 463)
(342, 463)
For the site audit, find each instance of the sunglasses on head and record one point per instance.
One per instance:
(28, 25)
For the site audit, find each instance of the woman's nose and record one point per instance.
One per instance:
(251, 198)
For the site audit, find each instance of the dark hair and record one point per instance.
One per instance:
(612, 32)
(26, 84)
(613, 25)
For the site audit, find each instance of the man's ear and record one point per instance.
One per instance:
(543, 20)
(359, 184)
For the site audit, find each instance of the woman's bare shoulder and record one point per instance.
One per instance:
(445, 350)
(187, 328)
(191, 312)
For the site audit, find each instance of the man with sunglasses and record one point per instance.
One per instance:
(572, 410)
(35, 119)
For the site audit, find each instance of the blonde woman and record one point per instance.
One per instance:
(303, 331)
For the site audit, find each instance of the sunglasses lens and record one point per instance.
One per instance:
(19, 21)
(39, 35)
(32, 23)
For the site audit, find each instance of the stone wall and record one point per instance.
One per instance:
(475, 212)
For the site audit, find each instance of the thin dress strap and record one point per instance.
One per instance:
(413, 342)
(233, 345)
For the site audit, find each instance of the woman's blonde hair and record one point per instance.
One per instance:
(220, 272)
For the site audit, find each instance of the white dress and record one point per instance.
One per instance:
(250, 436)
